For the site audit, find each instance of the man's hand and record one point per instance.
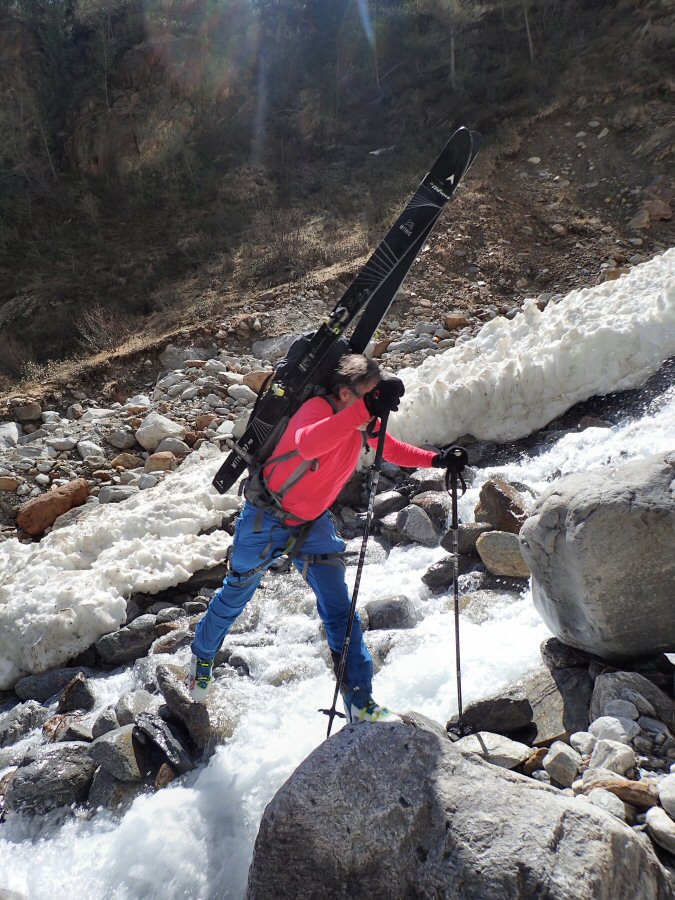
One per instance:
(454, 457)
(385, 396)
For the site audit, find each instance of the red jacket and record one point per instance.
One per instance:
(335, 440)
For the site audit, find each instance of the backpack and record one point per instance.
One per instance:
(254, 488)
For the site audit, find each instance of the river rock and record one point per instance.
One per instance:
(133, 703)
(57, 775)
(388, 502)
(661, 828)
(391, 612)
(614, 728)
(128, 643)
(106, 721)
(164, 738)
(667, 795)
(559, 701)
(562, 763)
(118, 753)
(209, 724)
(640, 794)
(467, 535)
(39, 513)
(21, 720)
(495, 748)
(613, 755)
(440, 575)
(45, 685)
(154, 428)
(413, 524)
(502, 714)
(112, 793)
(649, 699)
(433, 821)
(437, 505)
(501, 506)
(77, 694)
(500, 553)
(607, 801)
(578, 531)
(557, 655)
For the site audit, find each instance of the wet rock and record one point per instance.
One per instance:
(129, 643)
(57, 775)
(164, 738)
(77, 694)
(500, 553)
(107, 721)
(414, 524)
(426, 480)
(45, 685)
(440, 575)
(208, 724)
(502, 506)
(133, 703)
(388, 502)
(391, 612)
(117, 753)
(21, 720)
(39, 513)
(111, 793)
(437, 505)
(467, 535)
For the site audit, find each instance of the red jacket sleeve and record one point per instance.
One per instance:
(405, 455)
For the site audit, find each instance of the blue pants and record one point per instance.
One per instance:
(253, 548)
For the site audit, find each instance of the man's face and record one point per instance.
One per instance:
(348, 396)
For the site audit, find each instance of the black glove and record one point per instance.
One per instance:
(384, 397)
(454, 457)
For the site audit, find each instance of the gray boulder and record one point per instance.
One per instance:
(129, 643)
(391, 612)
(43, 686)
(600, 549)
(413, 524)
(58, 775)
(21, 720)
(432, 821)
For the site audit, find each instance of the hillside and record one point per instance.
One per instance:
(191, 169)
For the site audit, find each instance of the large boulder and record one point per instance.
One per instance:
(600, 549)
(433, 821)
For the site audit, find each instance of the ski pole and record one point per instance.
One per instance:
(457, 459)
(374, 479)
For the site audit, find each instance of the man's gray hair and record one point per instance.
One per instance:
(353, 371)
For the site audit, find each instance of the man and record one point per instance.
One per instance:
(287, 511)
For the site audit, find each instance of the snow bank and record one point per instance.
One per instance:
(58, 596)
(517, 375)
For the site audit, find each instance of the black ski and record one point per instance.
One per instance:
(371, 293)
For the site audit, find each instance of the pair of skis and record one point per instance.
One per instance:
(369, 296)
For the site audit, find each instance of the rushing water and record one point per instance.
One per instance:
(194, 839)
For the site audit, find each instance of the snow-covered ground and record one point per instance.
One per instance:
(194, 839)
(517, 375)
